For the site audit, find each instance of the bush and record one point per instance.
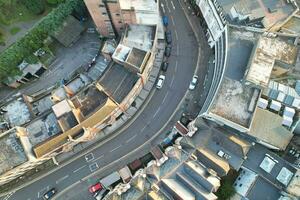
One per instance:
(33, 40)
(35, 6)
(54, 2)
(14, 30)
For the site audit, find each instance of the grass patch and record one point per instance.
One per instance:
(15, 11)
(227, 190)
(14, 30)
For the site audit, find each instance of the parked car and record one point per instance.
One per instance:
(165, 66)
(165, 20)
(49, 194)
(95, 188)
(193, 83)
(168, 37)
(168, 51)
(160, 82)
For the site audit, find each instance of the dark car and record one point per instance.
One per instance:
(49, 194)
(168, 37)
(164, 66)
(168, 51)
(165, 20)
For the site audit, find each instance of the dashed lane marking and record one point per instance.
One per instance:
(127, 141)
(115, 148)
(76, 170)
(61, 179)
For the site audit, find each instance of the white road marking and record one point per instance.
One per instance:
(176, 64)
(115, 148)
(127, 141)
(162, 7)
(93, 167)
(173, 78)
(156, 112)
(76, 170)
(172, 4)
(89, 157)
(172, 19)
(165, 97)
(61, 179)
(143, 128)
(99, 158)
(176, 35)
(9, 195)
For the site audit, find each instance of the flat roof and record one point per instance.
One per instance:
(89, 100)
(42, 105)
(42, 129)
(146, 11)
(266, 126)
(61, 108)
(121, 53)
(268, 51)
(232, 102)
(292, 26)
(17, 112)
(269, 12)
(118, 81)
(263, 189)
(139, 36)
(77, 84)
(12, 152)
(136, 57)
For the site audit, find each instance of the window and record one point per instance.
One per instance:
(117, 14)
(101, 5)
(104, 13)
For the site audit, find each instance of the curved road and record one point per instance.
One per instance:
(153, 117)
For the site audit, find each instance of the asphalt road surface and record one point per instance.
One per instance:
(154, 116)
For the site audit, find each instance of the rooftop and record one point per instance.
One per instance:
(139, 36)
(267, 52)
(17, 112)
(76, 84)
(42, 129)
(89, 100)
(118, 82)
(263, 12)
(121, 53)
(146, 11)
(232, 102)
(136, 57)
(12, 152)
(266, 126)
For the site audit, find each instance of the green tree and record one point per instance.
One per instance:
(55, 2)
(35, 6)
(226, 190)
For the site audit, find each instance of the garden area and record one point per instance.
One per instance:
(49, 16)
(20, 15)
(226, 191)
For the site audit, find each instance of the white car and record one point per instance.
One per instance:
(160, 82)
(193, 83)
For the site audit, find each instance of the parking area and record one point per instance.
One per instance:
(118, 81)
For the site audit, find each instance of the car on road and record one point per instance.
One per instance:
(160, 82)
(165, 20)
(95, 188)
(168, 51)
(164, 66)
(49, 194)
(193, 83)
(168, 37)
